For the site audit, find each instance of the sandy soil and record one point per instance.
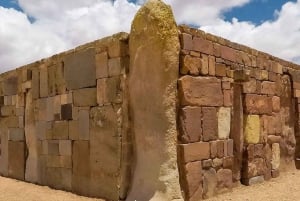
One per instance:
(284, 188)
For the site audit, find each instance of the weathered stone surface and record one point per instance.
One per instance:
(73, 130)
(193, 180)
(209, 183)
(81, 167)
(220, 148)
(202, 45)
(194, 151)
(200, 91)
(217, 162)
(254, 180)
(275, 156)
(211, 65)
(83, 125)
(154, 49)
(80, 69)
(224, 122)
(186, 41)
(224, 178)
(16, 160)
(257, 104)
(268, 88)
(213, 149)
(276, 103)
(109, 90)
(16, 134)
(210, 123)
(85, 97)
(190, 124)
(65, 147)
(116, 66)
(101, 65)
(252, 129)
(10, 86)
(43, 80)
(250, 86)
(66, 112)
(207, 163)
(220, 69)
(190, 65)
(60, 130)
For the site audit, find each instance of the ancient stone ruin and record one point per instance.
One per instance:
(164, 113)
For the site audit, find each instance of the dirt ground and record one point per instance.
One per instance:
(284, 188)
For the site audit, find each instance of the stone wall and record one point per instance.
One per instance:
(64, 119)
(238, 117)
(163, 113)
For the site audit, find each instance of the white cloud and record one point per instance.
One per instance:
(60, 25)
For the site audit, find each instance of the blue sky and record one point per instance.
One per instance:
(59, 25)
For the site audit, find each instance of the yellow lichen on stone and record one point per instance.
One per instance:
(251, 129)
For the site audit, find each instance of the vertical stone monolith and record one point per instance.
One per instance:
(154, 63)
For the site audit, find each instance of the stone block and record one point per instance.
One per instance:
(66, 98)
(209, 123)
(211, 65)
(53, 147)
(16, 134)
(43, 81)
(275, 173)
(228, 53)
(253, 180)
(66, 112)
(84, 125)
(16, 160)
(259, 151)
(224, 178)
(220, 148)
(190, 65)
(217, 163)
(220, 70)
(117, 66)
(117, 47)
(256, 104)
(73, 130)
(251, 129)
(186, 41)
(8, 111)
(51, 81)
(65, 147)
(268, 88)
(202, 45)
(250, 86)
(227, 98)
(230, 147)
(209, 183)
(50, 109)
(206, 164)
(274, 139)
(41, 128)
(42, 109)
(194, 151)
(213, 149)
(80, 69)
(204, 65)
(228, 162)
(85, 97)
(275, 156)
(81, 167)
(200, 91)
(109, 91)
(10, 86)
(101, 65)
(224, 122)
(190, 124)
(60, 130)
(193, 180)
(276, 103)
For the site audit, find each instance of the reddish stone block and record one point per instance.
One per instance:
(190, 124)
(230, 147)
(186, 41)
(228, 53)
(276, 103)
(257, 104)
(193, 180)
(211, 65)
(210, 123)
(224, 177)
(250, 86)
(275, 173)
(217, 50)
(227, 98)
(220, 148)
(259, 150)
(296, 85)
(250, 152)
(228, 162)
(226, 85)
(202, 45)
(194, 151)
(268, 88)
(200, 91)
(213, 149)
(220, 70)
(190, 65)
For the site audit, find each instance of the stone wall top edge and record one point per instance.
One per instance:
(97, 44)
(225, 42)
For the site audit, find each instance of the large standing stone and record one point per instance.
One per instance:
(275, 156)
(154, 50)
(210, 123)
(200, 91)
(80, 69)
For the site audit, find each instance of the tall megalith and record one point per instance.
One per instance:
(153, 73)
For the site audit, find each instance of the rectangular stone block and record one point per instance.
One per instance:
(228, 53)
(213, 149)
(85, 97)
(65, 147)
(117, 66)
(16, 160)
(35, 84)
(8, 111)
(220, 70)
(66, 112)
(211, 65)
(230, 147)
(268, 88)
(257, 104)
(81, 167)
(200, 91)
(224, 122)
(53, 147)
(250, 86)
(10, 86)
(16, 134)
(202, 45)
(50, 109)
(275, 156)
(117, 48)
(190, 65)
(186, 41)
(252, 129)
(220, 148)
(101, 65)
(190, 124)
(209, 123)
(194, 151)
(74, 130)
(204, 65)
(84, 125)
(80, 69)
(60, 130)
(51, 80)
(276, 103)
(43, 81)
(109, 90)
